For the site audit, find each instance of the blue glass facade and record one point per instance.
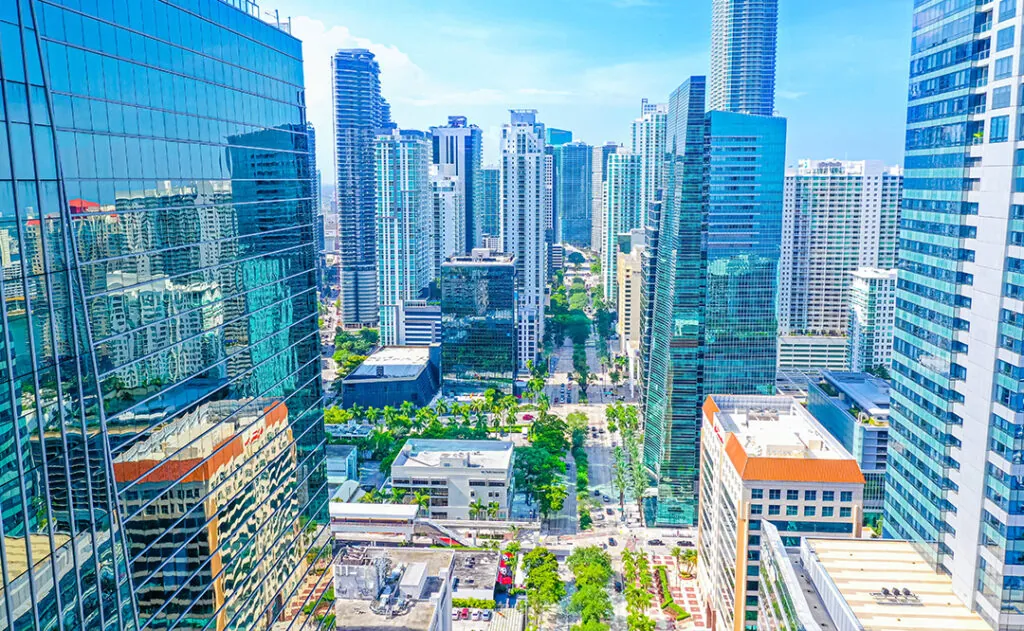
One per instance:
(743, 34)
(161, 417)
(573, 179)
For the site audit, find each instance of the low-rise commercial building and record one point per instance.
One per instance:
(855, 585)
(466, 479)
(419, 323)
(393, 375)
(475, 574)
(342, 465)
(765, 458)
(854, 407)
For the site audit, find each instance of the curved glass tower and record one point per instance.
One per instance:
(161, 425)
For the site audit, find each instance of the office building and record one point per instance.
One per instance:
(458, 153)
(956, 399)
(557, 257)
(630, 253)
(523, 225)
(490, 203)
(466, 479)
(557, 137)
(573, 178)
(599, 164)
(393, 375)
(623, 211)
(812, 353)
(405, 213)
(359, 113)
(743, 34)
(164, 341)
(765, 459)
(391, 589)
(872, 318)
(448, 228)
(854, 407)
(478, 324)
(837, 217)
(419, 323)
(549, 195)
(869, 584)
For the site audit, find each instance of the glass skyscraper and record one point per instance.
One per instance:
(573, 179)
(954, 476)
(490, 202)
(743, 34)
(359, 113)
(161, 433)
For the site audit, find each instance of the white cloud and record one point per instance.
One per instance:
(789, 95)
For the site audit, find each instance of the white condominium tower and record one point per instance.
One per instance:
(599, 163)
(872, 312)
(523, 223)
(837, 217)
(404, 215)
(623, 211)
(649, 146)
(448, 219)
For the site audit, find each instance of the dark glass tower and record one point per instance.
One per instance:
(359, 112)
(161, 464)
(573, 179)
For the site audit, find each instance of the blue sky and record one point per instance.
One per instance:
(585, 64)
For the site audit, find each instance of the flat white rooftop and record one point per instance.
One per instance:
(393, 362)
(775, 427)
(473, 454)
(343, 510)
(870, 393)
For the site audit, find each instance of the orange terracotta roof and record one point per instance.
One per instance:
(828, 470)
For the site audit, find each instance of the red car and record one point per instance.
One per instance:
(464, 614)
(527, 417)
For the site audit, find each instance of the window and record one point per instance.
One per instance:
(827, 511)
(810, 496)
(756, 494)
(754, 540)
(1001, 97)
(809, 511)
(846, 496)
(791, 510)
(1004, 39)
(775, 494)
(1004, 67)
(1007, 9)
(828, 496)
(999, 129)
(792, 495)
(845, 511)
(774, 509)
(755, 509)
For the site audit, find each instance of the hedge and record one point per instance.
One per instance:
(474, 603)
(667, 602)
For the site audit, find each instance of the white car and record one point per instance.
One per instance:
(474, 615)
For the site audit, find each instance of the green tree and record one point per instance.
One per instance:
(476, 508)
(552, 499)
(493, 508)
(397, 495)
(621, 474)
(422, 500)
(689, 559)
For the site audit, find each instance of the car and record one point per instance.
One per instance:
(486, 615)
(612, 542)
(609, 511)
(475, 615)
(618, 586)
(597, 493)
(604, 546)
(655, 542)
(464, 614)
(593, 428)
(600, 430)
(687, 544)
(527, 417)
(455, 614)
(606, 498)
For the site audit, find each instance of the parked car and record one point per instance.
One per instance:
(606, 498)
(455, 614)
(464, 614)
(612, 542)
(486, 615)
(475, 615)
(618, 586)
(597, 493)
(609, 511)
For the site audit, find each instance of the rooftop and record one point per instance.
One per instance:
(870, 273)
(475, 454)
(765, 436)
(355, 510)
(867, 392)
(475, 570)
(393, 362)
(859, 569)
(480, 256)
(340, 451)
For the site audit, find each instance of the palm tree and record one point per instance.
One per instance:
(357, 411)
(397, 495)
(370, 497)
(493, 508)
(515, 530)
(442, 408)
(372, 414)
(476, 508)
(690, 560)
(407, 408)
(422, 500)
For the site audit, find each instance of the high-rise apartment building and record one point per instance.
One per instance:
(573, 196)
(648, 142)
(458, 152)
(623, 211)
(765, 459)
(405, 217)
(957, 408)
(743, 34)
(490, 202)
(478, 323)
(448, 225)
(630, 249)
(837, 217)
(359, 112)
(872, 316)
(523, 226)
(599, 163)
(161, 428)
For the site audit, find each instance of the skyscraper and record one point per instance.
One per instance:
(957, 413)
(623, 211)
(743, 34)
(872, 310)
(448, 228)
(573, 196)
(405, 217)
(359, 112)
(458, 152)
(490, 201)
(523, 223)
(161, 428)
(648, 137)
(599, 163)
(837, 217)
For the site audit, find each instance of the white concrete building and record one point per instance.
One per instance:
(838, 216)
(811, 353)
(599, 163)
(622, 213)
(419, 323)
(457, 474)
(448, 226)
(648, 136)
(523, 223)
(765, 459)
(872, 316)
(402, 167)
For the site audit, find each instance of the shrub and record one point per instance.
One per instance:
(474, 603)
(585, 520)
